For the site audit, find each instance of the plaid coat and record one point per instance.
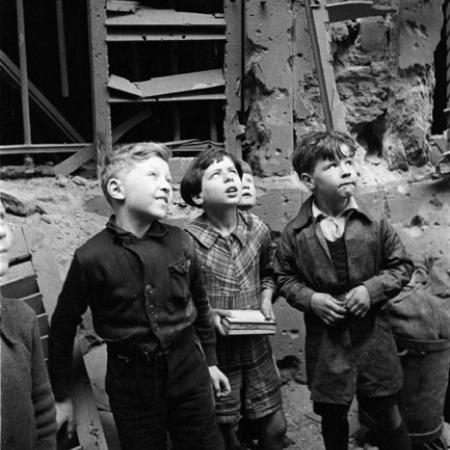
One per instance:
(360, 354)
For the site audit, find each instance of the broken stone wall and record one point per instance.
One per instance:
(384, 72)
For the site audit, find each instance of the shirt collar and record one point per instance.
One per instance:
(156, 230)
(317, 213)
(305, 216)
(202, 230)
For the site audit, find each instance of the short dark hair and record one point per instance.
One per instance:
(191, 184)
(319, 146)
(246, 167)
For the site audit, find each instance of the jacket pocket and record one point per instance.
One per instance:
(179, 279)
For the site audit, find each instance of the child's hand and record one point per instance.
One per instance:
(327, 308)
(64, 414)
(217, 315)
(266, 304)
(220, 382)
(358, 301)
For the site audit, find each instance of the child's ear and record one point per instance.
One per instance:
(115, 189)
(307, 180)
(198, 200)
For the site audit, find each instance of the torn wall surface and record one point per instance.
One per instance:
(384, 70)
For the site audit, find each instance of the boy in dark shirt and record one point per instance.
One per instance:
(339, 265)
(142, 281)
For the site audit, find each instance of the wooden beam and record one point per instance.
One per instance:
(75, 161)
(184, 97)
(40, 148)
(23, 72)
(169, 84)
(130, 123)
(12, 74)
(98, 54)
(145, 16)
(62, 48)
(333, 109)
(354, 9)
(232, 74)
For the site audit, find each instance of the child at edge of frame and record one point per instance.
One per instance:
(142, 281)
(338, 265)
(234, 251)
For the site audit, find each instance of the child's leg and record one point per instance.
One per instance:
(390, 426)
(334, 425)
(136, 391)
(273, 430)
(190, 401)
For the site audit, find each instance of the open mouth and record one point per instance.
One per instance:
(246, 195)
(350, 183)
(163, 199)
(231, 190)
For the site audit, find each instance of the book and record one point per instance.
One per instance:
(246, 322)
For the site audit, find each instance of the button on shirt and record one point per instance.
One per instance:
(238, 267)
(333, 227)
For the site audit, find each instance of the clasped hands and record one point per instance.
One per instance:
(331, 311)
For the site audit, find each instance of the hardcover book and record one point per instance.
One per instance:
(248, 321)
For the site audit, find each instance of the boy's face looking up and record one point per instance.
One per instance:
(221, 185)
(333, 179)
(145, 189)
(248, 199)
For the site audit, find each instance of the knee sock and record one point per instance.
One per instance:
(335, 432)
(397, 439)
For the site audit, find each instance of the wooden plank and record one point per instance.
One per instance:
(98, 55)
(148, 17)
(45, 268)
(44, 327)
(191, 97)
(89, 428)
(170, 84)
(122, 5)
(62, 48)
(34, 301)
(333, 108)
(23, 72)
(126, 126)
(354, 9)
(180, 83)
(19, 250)
(123, 85)
(232, 73)
(161, 35)
(75, 161)
(19, 287)
(41, 148)
(12, 73)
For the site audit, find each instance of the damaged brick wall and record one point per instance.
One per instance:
(384, 72)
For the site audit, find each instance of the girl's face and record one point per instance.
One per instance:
(248, 199)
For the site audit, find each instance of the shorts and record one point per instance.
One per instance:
(255, 385)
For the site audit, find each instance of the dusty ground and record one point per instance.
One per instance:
(74, 211)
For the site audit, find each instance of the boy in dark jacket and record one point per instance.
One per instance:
(27, 403)
(339, 265)
(142, 281)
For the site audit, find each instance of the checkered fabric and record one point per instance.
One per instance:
(248, 363)
(238, 267)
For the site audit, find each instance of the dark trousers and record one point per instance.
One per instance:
(168, 393)
(335, 428)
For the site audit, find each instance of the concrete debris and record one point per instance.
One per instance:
(18, 207)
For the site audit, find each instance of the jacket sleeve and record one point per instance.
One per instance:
(42, 396)
(291, 285)
(72, 303)
(203, 324)
(396, 267)
(266, 261)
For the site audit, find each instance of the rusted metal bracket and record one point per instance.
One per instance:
(319, 15)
